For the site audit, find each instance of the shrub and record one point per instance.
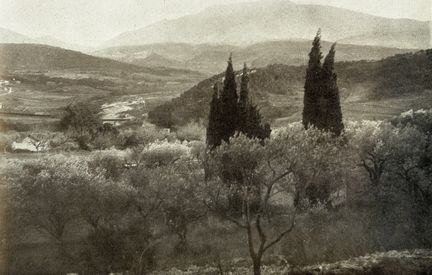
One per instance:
(191, 131)
(6, 140)
(163, 152)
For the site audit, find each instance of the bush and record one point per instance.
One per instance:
(6, 140)
(161, 153)
(142, 136)
(82, 122)
(191, 131)
(90, 197)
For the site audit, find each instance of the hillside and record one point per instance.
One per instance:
(35, 57)
(252, 22)
(211, 59)
(378, 89)
(42, 57)
(9, 36)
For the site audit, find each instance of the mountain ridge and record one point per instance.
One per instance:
(211, 59)
(251, 22)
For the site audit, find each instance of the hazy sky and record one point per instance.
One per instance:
(94, 21)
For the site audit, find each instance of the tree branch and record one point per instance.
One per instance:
(275, 241)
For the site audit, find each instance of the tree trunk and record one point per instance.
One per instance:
(257, 265)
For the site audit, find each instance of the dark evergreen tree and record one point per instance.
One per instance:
(329, 101)
(254, 125)
(429, 72)
(228, 104)
(249, 118)
(244, 86)
(213, 134)
(312, 84)
(243, 102)
(230, 113)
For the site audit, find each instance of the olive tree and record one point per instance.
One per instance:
(44, 194)
(396, 159)
(183, 204)
(373, 141)
(81, 121)
(270, 180)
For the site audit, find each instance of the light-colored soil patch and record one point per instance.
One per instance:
(117, 109)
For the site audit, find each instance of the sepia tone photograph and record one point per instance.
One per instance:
(215, 137)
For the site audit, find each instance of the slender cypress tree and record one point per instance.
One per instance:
(312, 84)
(228, 104)
(230, 113)
(243, 102)
(254, 125)
(244, 86)
(213, 134)
(249, 117)
(331, 113)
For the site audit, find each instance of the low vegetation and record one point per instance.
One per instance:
(151, 202)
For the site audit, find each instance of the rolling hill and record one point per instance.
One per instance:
(369, 90)
(211, 59)
(42, 57)
(252, 22)
(35, 57)
(9, 36)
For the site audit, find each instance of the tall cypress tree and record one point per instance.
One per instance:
(228, 104)
(254, 125)
(230, 113)
(312, 84)
(213, 132)
(243, 101)
(244, 86)
(249, 117)
(331, 113)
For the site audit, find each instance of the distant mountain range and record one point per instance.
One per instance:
(252, 22)
(9, 36)
(369, 90)
(211, 59)
(244, 24)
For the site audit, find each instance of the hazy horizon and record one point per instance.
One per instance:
(91, 23)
